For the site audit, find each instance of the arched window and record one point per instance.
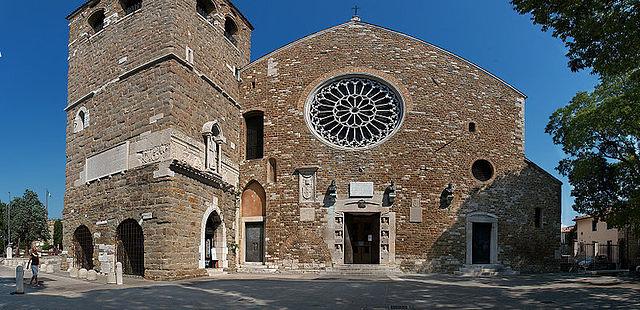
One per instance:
(81, 120)
(230, 30)
(206, 9)
(130, 6)
(96, 21)
(272, 173)
(254, 124)
(213, 139)
(472, 127)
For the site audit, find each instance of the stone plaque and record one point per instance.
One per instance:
(110, 162)
(307, 214)
(415, 212)
(307, 184)
(361, 189)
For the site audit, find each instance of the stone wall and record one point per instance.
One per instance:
(145, 104)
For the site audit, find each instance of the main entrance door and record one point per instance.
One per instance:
(362, 238)
(254, 242)
(481, 247)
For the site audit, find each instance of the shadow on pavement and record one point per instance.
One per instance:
(411, 293)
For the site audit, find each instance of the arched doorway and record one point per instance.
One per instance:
(253, 212)
(214, 242)
(83, 247)
(131, 247)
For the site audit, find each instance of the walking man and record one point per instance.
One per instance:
(34, 261)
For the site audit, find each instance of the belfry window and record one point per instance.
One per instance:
(206, 9)
(472, 127)
(96, 21)
(230, 30)
(130, 6)
(254, 122)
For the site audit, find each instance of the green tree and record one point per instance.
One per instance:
(28, 220)
(598, 130)
(600, 34)
(57, 234)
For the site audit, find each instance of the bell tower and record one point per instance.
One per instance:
(153, 125)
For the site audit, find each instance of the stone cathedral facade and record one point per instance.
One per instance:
(354, 145)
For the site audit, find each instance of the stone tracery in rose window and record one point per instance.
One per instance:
(354, 112)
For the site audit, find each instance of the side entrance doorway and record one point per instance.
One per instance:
(254, 251)
(481, 243)
(362, 238)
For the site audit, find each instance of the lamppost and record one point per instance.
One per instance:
(9, 222)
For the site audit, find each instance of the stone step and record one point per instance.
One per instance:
(484, 271)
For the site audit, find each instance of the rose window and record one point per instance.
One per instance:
(354, 112)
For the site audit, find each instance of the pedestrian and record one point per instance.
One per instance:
(34, 261)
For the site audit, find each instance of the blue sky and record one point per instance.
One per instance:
(33, 70)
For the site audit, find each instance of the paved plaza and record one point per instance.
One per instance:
(242, 291)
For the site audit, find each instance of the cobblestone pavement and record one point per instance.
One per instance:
(238, 291)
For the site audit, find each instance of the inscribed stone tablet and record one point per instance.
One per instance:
(107, 163)
(361, 189)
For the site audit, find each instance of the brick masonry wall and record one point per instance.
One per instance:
(134, 97)
(442, 94)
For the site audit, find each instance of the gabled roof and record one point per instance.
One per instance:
(357, 22)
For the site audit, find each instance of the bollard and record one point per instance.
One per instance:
(9, 253)
(119, 273)
(20, 280)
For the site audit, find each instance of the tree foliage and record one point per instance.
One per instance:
(57, 234)
(28, 220)
(600, 132)
(600, 34)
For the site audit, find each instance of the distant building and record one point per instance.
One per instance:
(564, 234)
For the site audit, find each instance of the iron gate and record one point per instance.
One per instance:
(131, 248)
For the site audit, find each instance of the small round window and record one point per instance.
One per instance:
(354, 112)
(482, 170)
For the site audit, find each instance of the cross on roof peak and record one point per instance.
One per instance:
(355, 16)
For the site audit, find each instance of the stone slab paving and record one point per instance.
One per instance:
(247, 291)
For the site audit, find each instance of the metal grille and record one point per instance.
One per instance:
(83, 247)
(131, 248)
(131, 6)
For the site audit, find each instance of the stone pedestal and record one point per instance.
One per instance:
(82, 273)
(92, 275)
(73, 272)
(111, 277)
